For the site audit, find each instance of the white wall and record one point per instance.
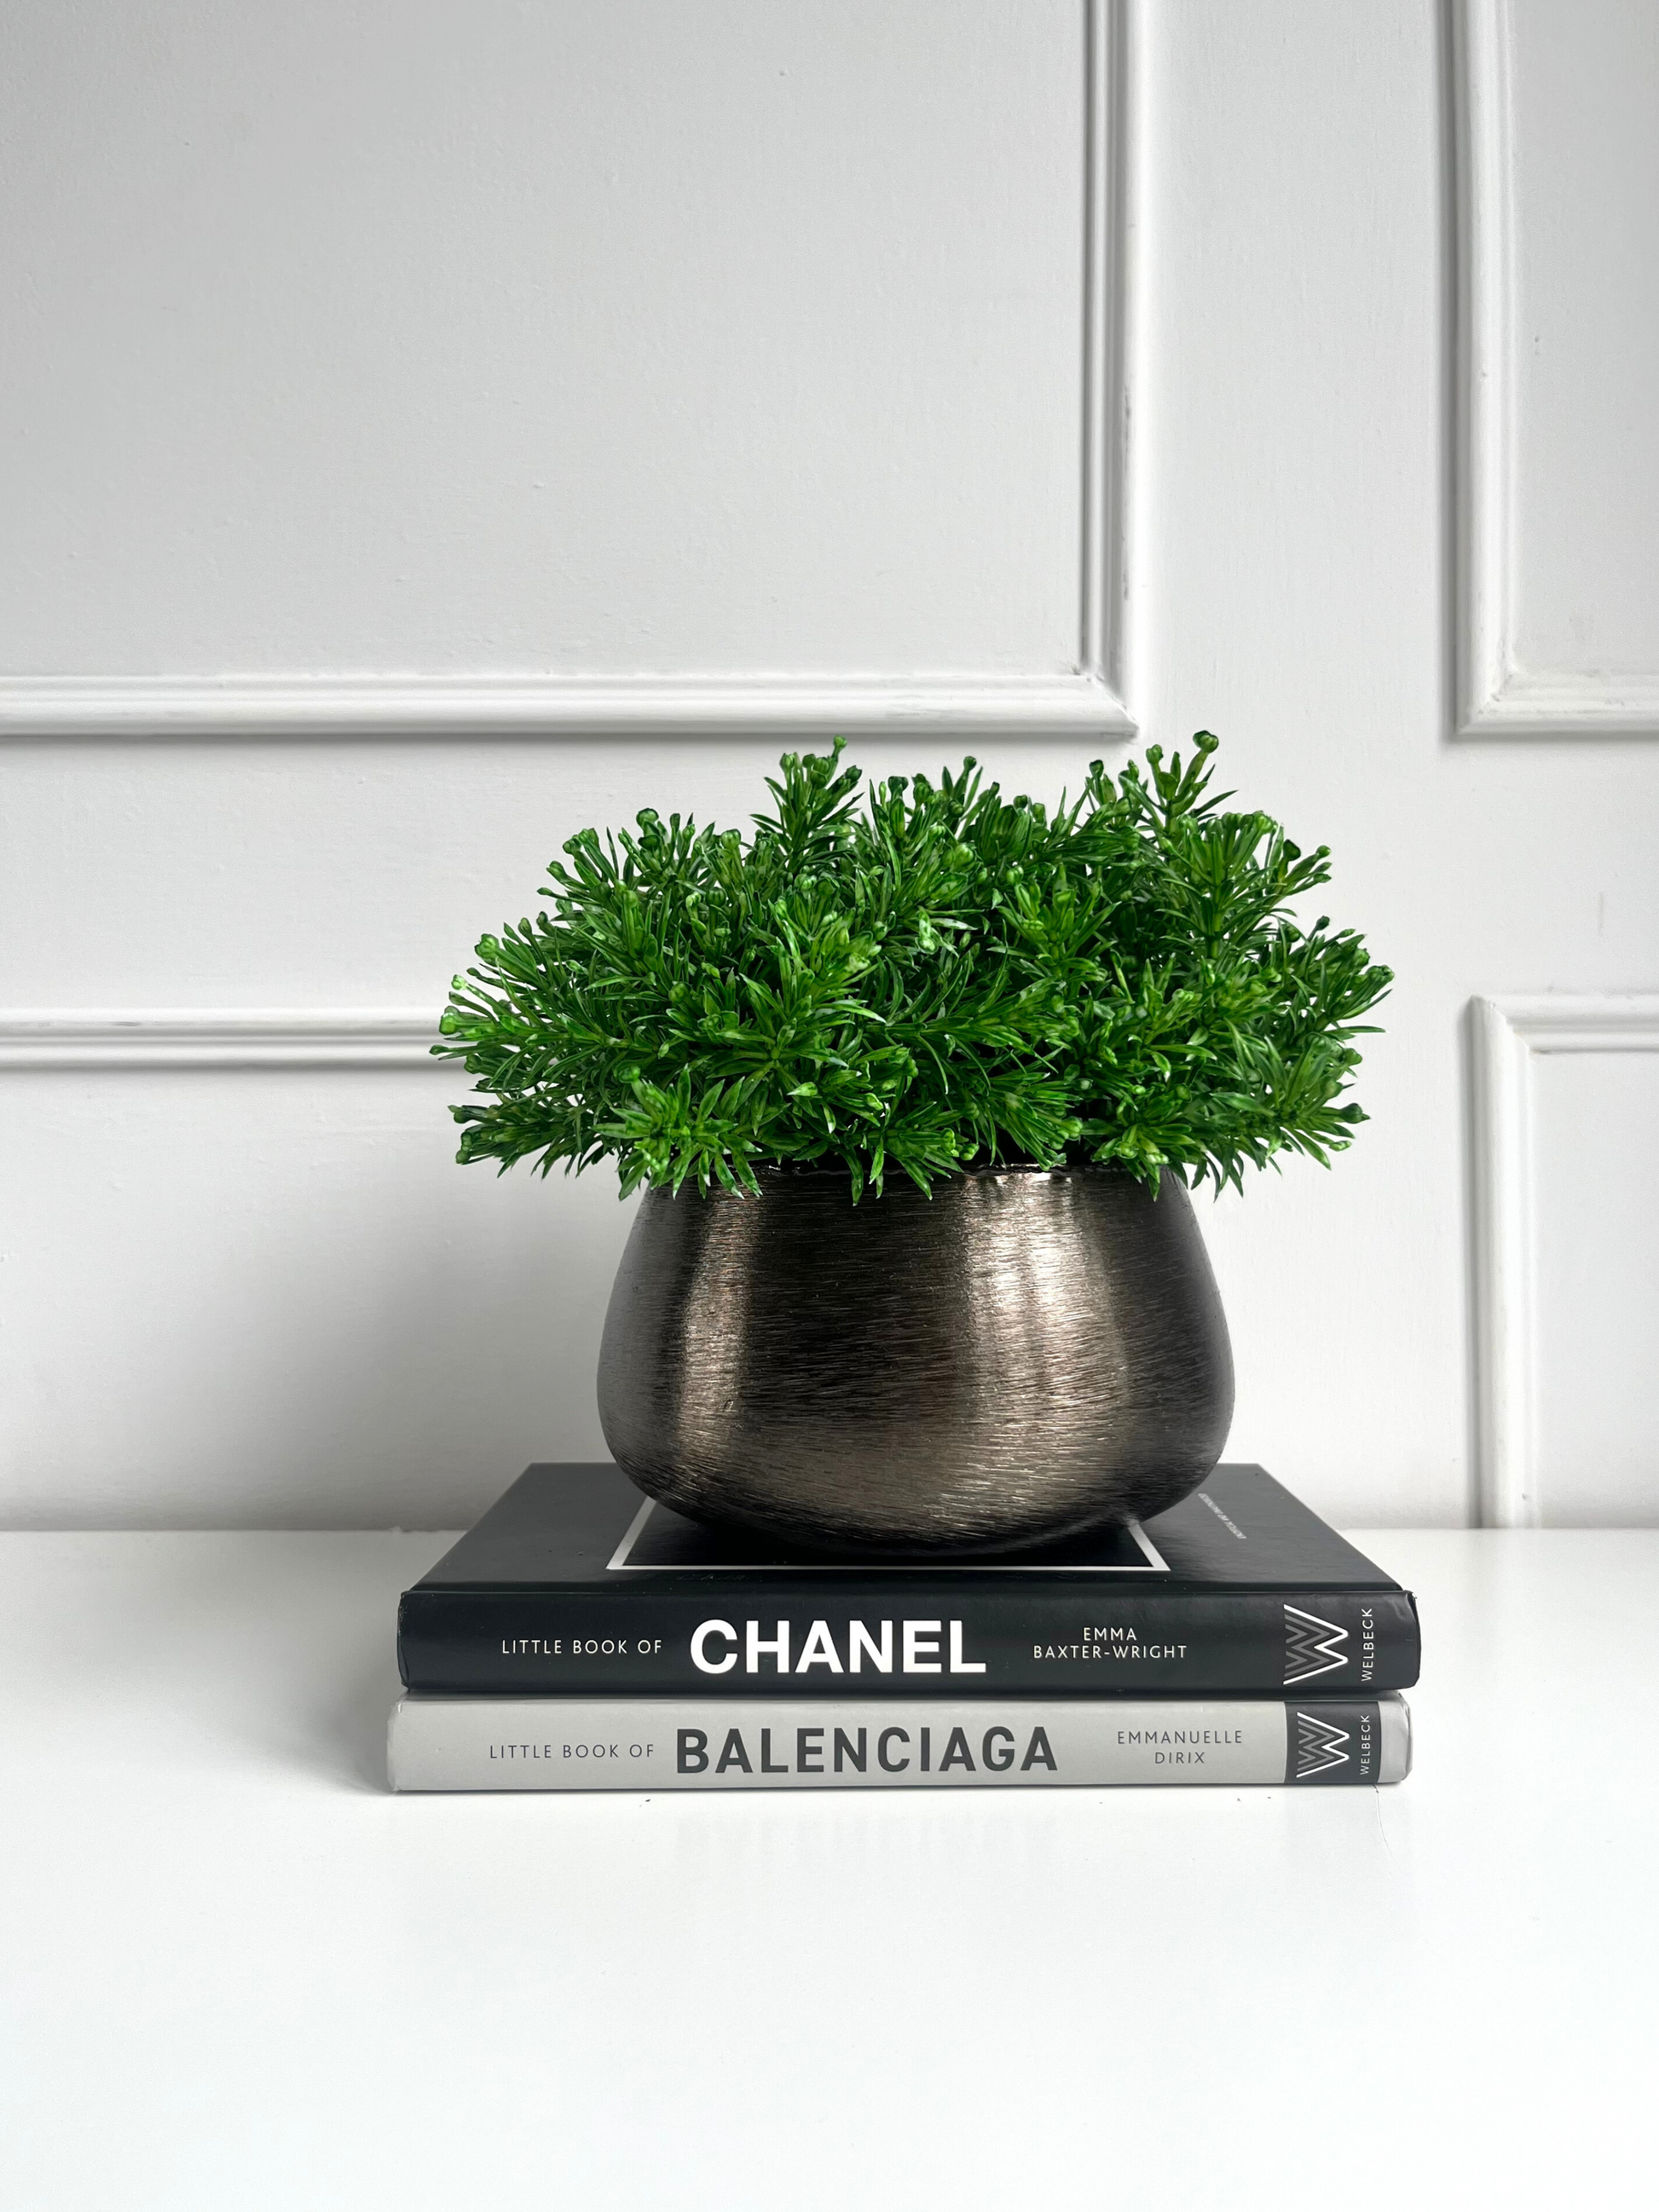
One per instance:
(425, 430)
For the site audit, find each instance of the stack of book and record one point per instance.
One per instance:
(581, 1639)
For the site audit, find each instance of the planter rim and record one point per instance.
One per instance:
(780, 1176)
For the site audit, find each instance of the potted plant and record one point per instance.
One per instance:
(916, 1085)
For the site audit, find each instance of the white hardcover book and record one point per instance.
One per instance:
(779, 1743)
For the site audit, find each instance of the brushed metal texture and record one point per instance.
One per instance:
(1022, 1356)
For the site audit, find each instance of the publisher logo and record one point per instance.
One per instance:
(1312, 1646)
(1318, 1747)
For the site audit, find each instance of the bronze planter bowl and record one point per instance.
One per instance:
(1023, 1356)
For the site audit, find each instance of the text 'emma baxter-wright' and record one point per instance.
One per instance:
(716, 1645)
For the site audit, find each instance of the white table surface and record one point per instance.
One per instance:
(239, 1975)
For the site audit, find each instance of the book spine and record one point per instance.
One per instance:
(691, 1743)
(912, 1641)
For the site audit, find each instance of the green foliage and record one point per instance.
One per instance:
(935, 979)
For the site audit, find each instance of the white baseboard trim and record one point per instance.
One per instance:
(1508, 1034)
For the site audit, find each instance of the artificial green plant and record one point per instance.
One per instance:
(932, 978)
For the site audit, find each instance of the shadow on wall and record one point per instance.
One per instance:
(270, 1299)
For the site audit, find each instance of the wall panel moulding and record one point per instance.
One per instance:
(251, 1036)
(1508, 1037)
(1548, 368)
(490, 707)
(1082, 693)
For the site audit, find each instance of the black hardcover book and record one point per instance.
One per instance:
(574, 1585)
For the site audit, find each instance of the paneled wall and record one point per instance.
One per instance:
(1557, 641)
(1558, 489)
(553, 366)
(1567, 1257)
(424, 431)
